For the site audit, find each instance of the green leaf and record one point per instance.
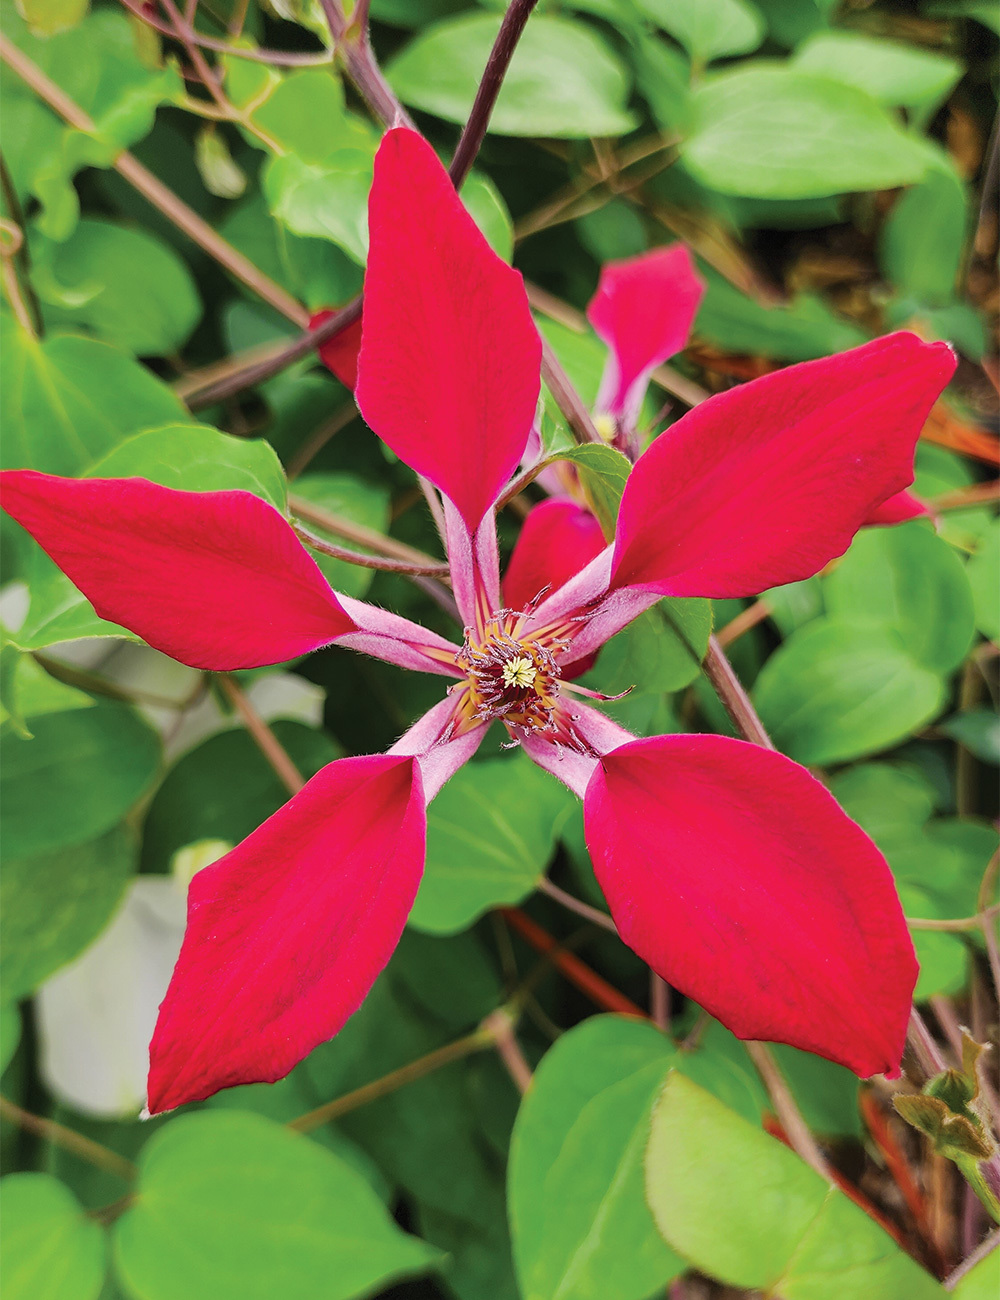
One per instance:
(55, 408)
(357, 500)
(708, 29)
(490, 835)
(28, 691)
(305, 114)
(660, 651)
(885, 800)
(125, 286)
(979, 731)
(113, 85)
(983, 1281)
(220, 173)
(603, 474)
(224, 789)
(893, 73)
(233, 1205)
(804, 329)
(55, 903)
(834, 691)
(77, 777)
(326, 200)
(580, 1224)
(198, 458)
(563, 80)
(10, 1034)
(984, 577)
(908, 579)
(46, 17)
(487, 208)
(51, 1250)
(747, 1211)
(920, 246)
(843, 140)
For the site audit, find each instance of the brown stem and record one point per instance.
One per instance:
(367, 561)
(735, 700)
(85, 1148)
(514, 21)
(961, 498)
(594, 914)
(264, 738)
(361, 535)
(743, 622)
(659, 1000)
(501, 1025)
(155, 192)
(958, 924)
(484, 1036)
(786, 1108)
(352, 44)
(925, 1047)
(280, 58)
(566, 397)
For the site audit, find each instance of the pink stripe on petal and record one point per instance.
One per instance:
(340, 354)
(644, 309)
(287, 933)
(438, 753)
(557, 540)
(766, 483)
(900, 508)
(573, 768)
(738, 878)
(396, 640)
(217, 580)
(449, 369)
(475, 566)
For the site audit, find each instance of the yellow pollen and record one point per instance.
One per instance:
(605, 426)
(519, 672)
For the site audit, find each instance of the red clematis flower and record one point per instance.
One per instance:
(728, 868)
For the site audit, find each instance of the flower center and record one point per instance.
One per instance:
(510, 677)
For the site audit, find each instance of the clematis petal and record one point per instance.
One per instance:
(449, 369)
(738, 878)
(644, 309)
(217, 580)
(396, 640)
(439, 752)
(474, 565)
(575, 766)
(900, 508)
(766, 483)
(287, 933)
(557, 540)
(340, 354)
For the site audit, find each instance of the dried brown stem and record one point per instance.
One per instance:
(85, 1148)
(367, 561)
(264, 738)
(786, 1108)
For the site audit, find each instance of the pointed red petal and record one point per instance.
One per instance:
(900, 508)
(287, 933)
(768, 482)
(340, 354)
(449, 369)
(644, 309)
(557, 540)
(738, 878)
(217, 580)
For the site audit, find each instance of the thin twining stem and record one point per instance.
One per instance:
(368, 561)
(263, 737)
(594, 914)
(351, 42)
(362, 536)
(279, 58)
(85, 1148)
(155, 192)
(986, 1247)
(484, 1036)
(958, 924)
(786, 1108)
(734, 698)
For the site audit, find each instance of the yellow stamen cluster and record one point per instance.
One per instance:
(510, 676)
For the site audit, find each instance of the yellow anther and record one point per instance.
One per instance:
(605, 426)
(519, 672)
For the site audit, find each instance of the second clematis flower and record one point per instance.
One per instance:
(727, 867)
